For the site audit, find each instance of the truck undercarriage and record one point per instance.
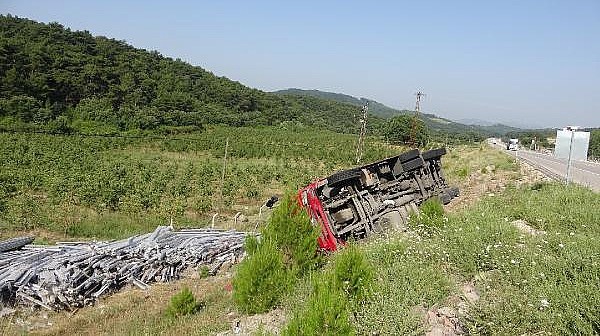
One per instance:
(355, 203)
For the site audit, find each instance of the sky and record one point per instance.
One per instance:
(534, 63)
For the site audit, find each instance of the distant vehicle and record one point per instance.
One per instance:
(513, 144)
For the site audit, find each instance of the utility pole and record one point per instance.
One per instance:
(363, 132)
(413, 136)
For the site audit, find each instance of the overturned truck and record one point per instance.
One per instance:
(355, 203)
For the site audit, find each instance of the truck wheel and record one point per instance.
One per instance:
(445, 198)
(343, 176)
(453, 191)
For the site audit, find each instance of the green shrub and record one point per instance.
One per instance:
(432, 207)
(326, 313)
(292, 232)
(463, 172)
(261, 280)
(182, 303)
(430, 217)
(286, 250)
(203, 271)
(335, 295)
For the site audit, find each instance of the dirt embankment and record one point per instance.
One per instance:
(489, 181)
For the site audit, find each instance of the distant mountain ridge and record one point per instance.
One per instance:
(517, 125)
(434, 122)
(375, 107)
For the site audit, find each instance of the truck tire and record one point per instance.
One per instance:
(343, 176)
(434, 153)
(413, 164)
(15, 243)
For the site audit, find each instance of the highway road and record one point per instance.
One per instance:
(582, 172)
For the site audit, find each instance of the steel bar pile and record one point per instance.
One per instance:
(74, 274)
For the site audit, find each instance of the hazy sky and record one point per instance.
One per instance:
(534, 62)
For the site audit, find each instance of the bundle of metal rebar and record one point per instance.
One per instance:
(73, 274)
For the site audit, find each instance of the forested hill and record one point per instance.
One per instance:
(52, 77)
(375, 108)
(434, 122)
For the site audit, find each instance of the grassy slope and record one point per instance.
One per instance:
(514, 272)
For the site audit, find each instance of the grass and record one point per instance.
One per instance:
(406, 280)
(528, 284)
(463, 161)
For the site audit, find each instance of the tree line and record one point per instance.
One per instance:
(62, 81)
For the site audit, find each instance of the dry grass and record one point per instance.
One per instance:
(138, 312)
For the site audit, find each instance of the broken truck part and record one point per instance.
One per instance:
(355, 203)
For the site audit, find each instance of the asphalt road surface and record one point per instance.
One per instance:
(582, 172)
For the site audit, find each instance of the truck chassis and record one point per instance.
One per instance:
(359, 202)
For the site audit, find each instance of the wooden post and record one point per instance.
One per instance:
(221, 203)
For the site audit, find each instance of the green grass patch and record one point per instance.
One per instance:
(408, 280)
(182, 304)
(528, 284)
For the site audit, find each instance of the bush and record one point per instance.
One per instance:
(286, 250)
(261, 280)
(400, 130)
(432, 207)
(292, 232)
(203, 271)
(182, 303)
(431, 216)
(325, 314)
(336, 293)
